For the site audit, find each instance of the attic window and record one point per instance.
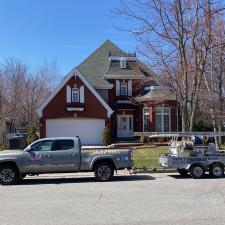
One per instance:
(75, 95)
(123, 63)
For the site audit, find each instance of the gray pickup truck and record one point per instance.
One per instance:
(60, 155)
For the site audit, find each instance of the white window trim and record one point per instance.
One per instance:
(144, 118)
(68, 94)
(125, 84)
(117, 88)
(78, 91)
(162, 120)
(129, 87)
(82, 94)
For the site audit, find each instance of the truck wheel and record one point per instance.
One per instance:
(104, 171)
(9, 175)
(197, 171)
(216, 170)
(182, 172)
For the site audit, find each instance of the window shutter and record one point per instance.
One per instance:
(117, 88)
(130, 88)
(68, 94)
(82, 94)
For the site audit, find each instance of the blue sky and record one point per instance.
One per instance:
(65, 31)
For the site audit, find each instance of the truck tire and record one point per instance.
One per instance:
(104, 171)
(9, 175)
(182, 172)
(216, 170)
(197, 171)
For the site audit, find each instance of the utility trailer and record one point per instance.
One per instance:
(188, 157)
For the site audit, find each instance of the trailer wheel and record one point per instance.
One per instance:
(197, 171)
(182, 172)
(216, 170)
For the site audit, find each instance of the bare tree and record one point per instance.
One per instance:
(175, 37)
(212, 97)
(13, 74)
(50, 74)
(22, 90)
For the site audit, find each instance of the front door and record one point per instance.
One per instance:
(124, 125)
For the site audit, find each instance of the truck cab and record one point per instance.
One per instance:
(52, 155)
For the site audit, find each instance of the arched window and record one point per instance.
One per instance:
(75, 95)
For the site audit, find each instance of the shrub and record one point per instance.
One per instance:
(32, 135)
(4, 147)
(106, 136)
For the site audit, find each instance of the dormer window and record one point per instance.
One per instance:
(123, 63)
(123, 88)
(75, 95)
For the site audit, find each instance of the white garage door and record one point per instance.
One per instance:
(89, 130)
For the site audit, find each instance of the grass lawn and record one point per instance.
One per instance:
(148, 156)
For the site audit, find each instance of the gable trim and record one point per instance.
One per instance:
(74, 72)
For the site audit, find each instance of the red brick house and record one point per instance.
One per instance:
(110, 88)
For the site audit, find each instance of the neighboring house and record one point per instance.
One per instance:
(8, 128)
(110, 88)
(2, 132)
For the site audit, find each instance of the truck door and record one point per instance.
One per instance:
(39, 157)
(66, 155)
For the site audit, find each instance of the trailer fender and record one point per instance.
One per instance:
(195, 163)
(216, 162)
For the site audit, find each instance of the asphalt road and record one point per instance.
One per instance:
(128, 200)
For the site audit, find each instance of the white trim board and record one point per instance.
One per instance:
(74, 72)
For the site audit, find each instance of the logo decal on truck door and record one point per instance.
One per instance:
(35, 157)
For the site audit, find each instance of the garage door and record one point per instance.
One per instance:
(89, 130)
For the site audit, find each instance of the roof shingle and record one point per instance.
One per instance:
(95, 66)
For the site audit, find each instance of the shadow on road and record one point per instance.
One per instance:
(50, 180)
(177, 176)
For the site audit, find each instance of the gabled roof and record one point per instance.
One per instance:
(64, 82)
(94, 67)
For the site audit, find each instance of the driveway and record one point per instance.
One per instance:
(142, 199)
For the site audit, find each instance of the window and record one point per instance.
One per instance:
(123, 63)
(123, 88)
(163, 119)
(123, 123)
(42, 146)
(75, 95)
(63, 145)
(146, 121)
